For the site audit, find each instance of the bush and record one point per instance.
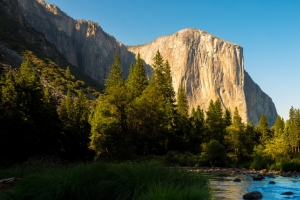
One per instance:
(213, 153)
(181, 159)
(286, 164)
(260, 159)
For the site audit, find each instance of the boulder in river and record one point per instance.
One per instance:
(272, 182)
(253, 195)
(287, 193)
(258, 177)
(236, 180)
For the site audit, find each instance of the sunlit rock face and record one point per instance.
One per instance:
(210, 68)
(82, 42)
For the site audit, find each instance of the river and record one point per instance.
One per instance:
(224, 188)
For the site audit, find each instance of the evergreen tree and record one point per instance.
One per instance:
(182, 102)
(26, 118)
(293, 129)
(76, 128)
(214, 122)
(227, 118)
(137, 80)
(116, 138)
(197, 130)
(277, 146)
(235, 137)
(162, 77)
(263, 130)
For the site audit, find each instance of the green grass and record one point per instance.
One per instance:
(108, 181)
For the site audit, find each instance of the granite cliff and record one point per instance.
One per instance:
(83, 43)
(210, 68)
(207, 66)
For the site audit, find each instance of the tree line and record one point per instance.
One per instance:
(134, 117)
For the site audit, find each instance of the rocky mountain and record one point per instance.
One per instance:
(19, 38)
(83, 43)
(207, 66)
(210, 68)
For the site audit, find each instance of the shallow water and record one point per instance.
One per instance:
(224, 188)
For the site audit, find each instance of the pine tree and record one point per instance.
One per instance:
(293, 129)
(162, 77)
(137, 80)
(167, 87)
(197, 130)
(235, 137)
(115, 139)
(182, 102)
(277, 145)
(215, 122)
(263, 129)
(227, 117)
(74, 116)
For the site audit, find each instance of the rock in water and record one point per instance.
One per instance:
(237, 180)
(210, 68)
(253, 195)
(287, 193)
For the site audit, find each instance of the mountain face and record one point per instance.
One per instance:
(83, 43)
(210, 68)
(19, 38)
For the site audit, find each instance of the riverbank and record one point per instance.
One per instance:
(107, 181)
(240, 171)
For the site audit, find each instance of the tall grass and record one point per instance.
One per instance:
(110, 182)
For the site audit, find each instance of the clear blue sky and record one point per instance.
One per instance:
(268, 30)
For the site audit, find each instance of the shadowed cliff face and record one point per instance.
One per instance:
(83, 43)
(210, 68)
(258, 102)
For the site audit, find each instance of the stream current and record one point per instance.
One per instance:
(224, 188)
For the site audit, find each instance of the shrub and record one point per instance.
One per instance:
(181, 159)
(260, 159)
(213, 153)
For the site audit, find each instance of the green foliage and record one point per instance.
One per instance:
(110, 181)
(110, 134)
(197, 130)
(29, 123)
(214, 122)
(182, 102)
(11, 35)
(76, 129)
(286, 164)
(260, 159)
(181, 159)
(292, 130)
(137, 80)
(227, 117)
(278, 145)
(263, 130)
(162, 77)
(213, 153)
(238, 139)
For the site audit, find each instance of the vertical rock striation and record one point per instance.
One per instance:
(210, 68)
